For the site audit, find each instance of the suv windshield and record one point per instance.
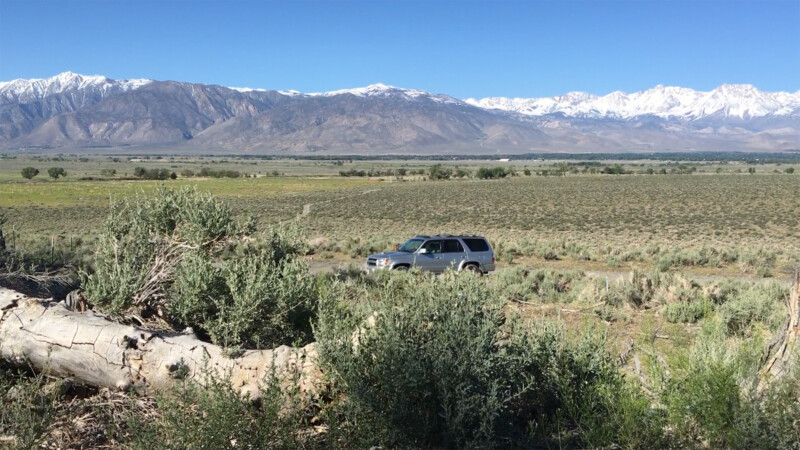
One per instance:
(411, 245)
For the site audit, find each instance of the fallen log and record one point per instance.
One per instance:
(100, 352)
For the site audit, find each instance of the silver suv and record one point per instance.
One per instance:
(437, 253)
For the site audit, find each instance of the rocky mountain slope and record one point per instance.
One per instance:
(71, 111)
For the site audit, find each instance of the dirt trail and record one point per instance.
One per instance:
(613, 276)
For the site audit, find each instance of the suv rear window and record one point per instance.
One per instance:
(477, 245)
(452, 246)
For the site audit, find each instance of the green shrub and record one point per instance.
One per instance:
(725, 290)
(437, 361)
(712, 398)
(761, 262)
(29, 172)
(256, 299)
(763, 303)
(56, 172)
(688, 311)
(215, 416)
(184, 253)
(776, 410)
(145, 234)
(617, 415)
(519, 283)
(437, 172)
(30, 409)
(637, 291)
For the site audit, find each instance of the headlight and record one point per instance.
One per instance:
(383, 262)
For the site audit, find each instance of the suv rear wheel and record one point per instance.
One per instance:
(474, 269)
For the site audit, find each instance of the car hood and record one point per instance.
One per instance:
(392, 255)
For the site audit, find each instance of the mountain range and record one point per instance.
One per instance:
(86, 113)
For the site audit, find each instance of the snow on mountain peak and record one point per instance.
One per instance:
(729, 100)
(378, 90)
(742, 101)
(37, 88)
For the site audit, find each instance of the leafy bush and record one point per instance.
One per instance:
(636, 292)
(183, 253)
(437, 172)
(56, 172)
(776, 410)
(439, 362)
(258, 298)
(712, 397)
(688, 311)
(30, 409)
(545, 284)
(29, 172)
(215, 416)
(761, 262)
(145, 237)
(725, 290)
(759, 303)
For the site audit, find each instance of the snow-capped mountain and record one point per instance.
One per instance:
(742, 101)
(373, 90)
(76, 111)
(22, 90)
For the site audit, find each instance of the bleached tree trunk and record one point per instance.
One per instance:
(100, 352)
(783, 354)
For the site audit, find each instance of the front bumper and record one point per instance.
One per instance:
(372, 268)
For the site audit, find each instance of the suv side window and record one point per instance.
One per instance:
(434, 246)
(452, 246)
(477, 245)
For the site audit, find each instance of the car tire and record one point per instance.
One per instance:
(401, 268)
(473, 269)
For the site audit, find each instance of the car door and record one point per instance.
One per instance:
(431, 258)
(452, 254)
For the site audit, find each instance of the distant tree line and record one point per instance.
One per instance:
(791, 156)
(154, 174)
(496, 172)
(400, 172)
(211, 173)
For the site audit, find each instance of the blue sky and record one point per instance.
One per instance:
(462, 48)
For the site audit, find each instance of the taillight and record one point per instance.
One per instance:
(492, 258)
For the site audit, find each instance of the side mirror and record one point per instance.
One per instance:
(423, 250)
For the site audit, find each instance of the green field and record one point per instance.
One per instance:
(729, 220)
